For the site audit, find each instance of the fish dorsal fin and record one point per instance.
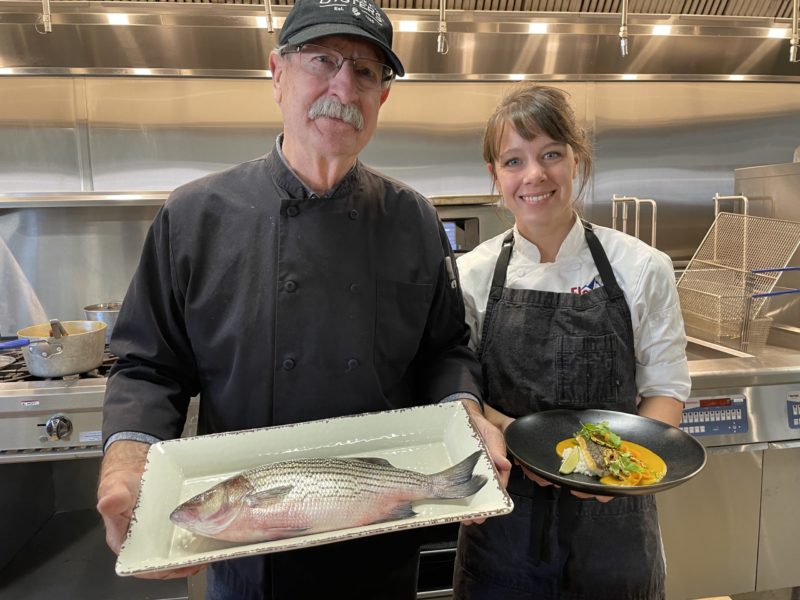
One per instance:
(372, 460)
(266, 497)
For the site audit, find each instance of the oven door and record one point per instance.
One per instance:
(53, 541)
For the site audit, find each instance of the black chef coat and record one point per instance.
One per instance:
(279, 307)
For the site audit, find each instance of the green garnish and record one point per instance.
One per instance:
(600, 433)
(623, 464)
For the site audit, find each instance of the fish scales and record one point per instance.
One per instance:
(304, 496)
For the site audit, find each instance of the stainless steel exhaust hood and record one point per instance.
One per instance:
(488, 39)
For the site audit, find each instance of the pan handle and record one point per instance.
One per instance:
(14, 344)
(20, 342)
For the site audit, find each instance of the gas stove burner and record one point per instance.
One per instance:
(12, 367)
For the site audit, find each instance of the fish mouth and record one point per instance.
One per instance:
(180, 515)
(189, 520)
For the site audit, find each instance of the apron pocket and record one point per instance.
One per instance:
(586, 370)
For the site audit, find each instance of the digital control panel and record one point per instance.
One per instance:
(463, 234)
(717, 415)
(793, 409)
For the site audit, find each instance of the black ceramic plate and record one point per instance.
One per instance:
(532, 440)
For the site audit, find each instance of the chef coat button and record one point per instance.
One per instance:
(353, 214)
(355, 288)
(292, 211)
(288, 364)
(353, 364)
(290, 286)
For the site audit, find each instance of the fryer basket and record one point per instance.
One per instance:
(726, 288)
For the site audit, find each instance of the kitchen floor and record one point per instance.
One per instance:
(785, 594)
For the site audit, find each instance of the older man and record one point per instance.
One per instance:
(301, 285)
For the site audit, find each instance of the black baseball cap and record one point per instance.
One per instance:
(312, 19)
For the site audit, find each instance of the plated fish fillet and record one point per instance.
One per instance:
(597, 451)
(304, 496)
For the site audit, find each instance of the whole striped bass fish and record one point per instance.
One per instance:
(300, 497)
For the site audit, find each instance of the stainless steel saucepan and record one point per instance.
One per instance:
(60, 348)
(106, 312)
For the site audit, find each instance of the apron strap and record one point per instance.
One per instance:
(601, 262)
(501, 266)
(498, 283)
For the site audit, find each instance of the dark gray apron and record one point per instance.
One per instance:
(541, 351)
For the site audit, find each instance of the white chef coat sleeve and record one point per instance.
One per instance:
(661, 365)
(475, 298)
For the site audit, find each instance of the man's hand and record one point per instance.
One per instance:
(120, 476)
(495, 443)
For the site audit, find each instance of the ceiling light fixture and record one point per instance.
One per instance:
(409, 26)
(117, 19)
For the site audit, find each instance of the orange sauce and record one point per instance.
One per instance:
(652, 460)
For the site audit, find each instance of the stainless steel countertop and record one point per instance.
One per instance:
(714, 367)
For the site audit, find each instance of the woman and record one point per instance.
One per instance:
(565, 314)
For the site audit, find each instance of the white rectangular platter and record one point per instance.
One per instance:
(426, 439)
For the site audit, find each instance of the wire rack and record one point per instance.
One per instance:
(747, 244)
(726, 288)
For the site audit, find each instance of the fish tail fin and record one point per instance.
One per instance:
(458, 481)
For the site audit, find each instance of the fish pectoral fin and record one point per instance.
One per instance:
(402, 511)
(267, 497)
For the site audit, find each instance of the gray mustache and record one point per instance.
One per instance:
(332, 108)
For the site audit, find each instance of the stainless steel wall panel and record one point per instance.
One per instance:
(76, 256)
(651, 136)
(39, 147)
(773, 190)
(159, 134)
(675, 142)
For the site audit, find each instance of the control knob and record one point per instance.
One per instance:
(58, 427)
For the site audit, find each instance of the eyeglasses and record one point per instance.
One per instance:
(325, 63)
